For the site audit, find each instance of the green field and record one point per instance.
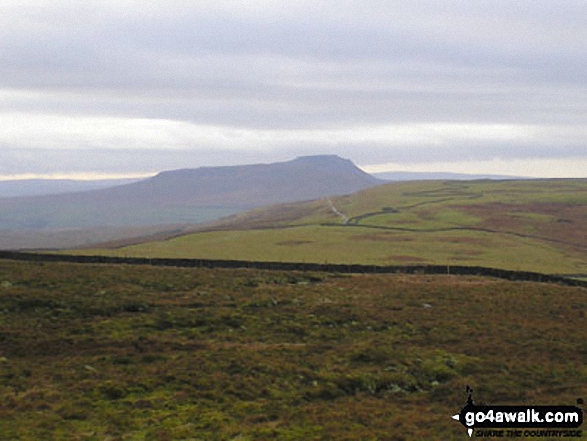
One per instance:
(535, 225)
(120, 352)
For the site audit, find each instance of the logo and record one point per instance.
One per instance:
(520, 421)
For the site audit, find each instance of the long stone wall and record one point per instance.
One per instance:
(292, 266)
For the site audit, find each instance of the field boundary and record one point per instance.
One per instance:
(525, 276)
(457, 228)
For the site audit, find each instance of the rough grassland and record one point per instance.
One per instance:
(517, 225)
(101, 352)
(339, 244)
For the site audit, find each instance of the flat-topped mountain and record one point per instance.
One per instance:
(248, 186)
(187, 196)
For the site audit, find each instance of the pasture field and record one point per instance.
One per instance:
(529, 225)
(121, 352)
(338, 244)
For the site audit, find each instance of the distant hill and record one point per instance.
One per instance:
(181, 197)
(38, 187)
(426, 176)
(248, 186)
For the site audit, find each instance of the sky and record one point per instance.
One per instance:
(125, 88)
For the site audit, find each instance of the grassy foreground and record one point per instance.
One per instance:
(104, 352)
(515, 225)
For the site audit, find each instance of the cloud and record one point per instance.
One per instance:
(374, 80)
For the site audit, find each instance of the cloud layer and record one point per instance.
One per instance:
(129, 87)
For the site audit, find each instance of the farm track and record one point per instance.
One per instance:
(345, 219)
(391, 210)
(526, 276)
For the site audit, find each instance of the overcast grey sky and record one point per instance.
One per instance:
(125, 87)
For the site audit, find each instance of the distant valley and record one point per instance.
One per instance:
(41, 187)
(178, 198)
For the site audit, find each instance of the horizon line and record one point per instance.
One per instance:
(75, 176)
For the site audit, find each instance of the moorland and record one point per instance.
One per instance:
(122, 352)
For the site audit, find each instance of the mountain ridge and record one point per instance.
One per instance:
(434, 176)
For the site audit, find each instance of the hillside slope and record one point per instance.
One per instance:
(534, 225)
